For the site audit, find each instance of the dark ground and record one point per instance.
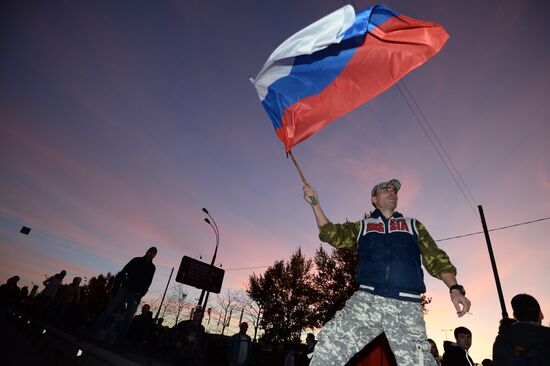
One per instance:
(27, 342)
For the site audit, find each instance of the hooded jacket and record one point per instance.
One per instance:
(455, 355)
(522, 343)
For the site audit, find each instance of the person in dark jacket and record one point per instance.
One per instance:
(141, 328)
(240, 347)
(188, 341)
(434, 351)
(133, 283)
(526, 342)
(9, 295)
(456, 354)
(305, 355)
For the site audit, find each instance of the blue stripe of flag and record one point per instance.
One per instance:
(311, 74)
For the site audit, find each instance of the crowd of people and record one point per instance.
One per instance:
(117, 328)
(390, 248)
(522, 340)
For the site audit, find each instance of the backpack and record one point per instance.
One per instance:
(526, 356)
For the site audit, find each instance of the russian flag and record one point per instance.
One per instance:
(338, 63)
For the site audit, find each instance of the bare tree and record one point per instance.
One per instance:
(178, 299)
(254, 314)
(173, 304)
(153, 303)
(225, 304)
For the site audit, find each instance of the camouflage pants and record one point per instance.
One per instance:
(366, 316)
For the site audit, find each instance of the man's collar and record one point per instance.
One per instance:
(378, 214)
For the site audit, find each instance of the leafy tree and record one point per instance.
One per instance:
(99, 292)
(285, 293)
(334, 281)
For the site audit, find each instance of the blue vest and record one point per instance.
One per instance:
(389, 257)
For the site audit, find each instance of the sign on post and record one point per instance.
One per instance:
(201, 275)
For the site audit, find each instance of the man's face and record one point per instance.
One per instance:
(244, 327)
(150, 254)
(145, 309)
(386, 198)
(464, 340)
(197, 317)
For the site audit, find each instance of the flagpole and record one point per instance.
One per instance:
(312, 199)
(493, 263)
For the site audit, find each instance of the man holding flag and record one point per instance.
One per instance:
(390, 248)
(320, 73)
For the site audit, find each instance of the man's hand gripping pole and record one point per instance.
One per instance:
(311, 199)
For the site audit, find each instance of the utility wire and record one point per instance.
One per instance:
(238, 269)
(495, 229)
(421, 121)
(441, 145)
(258, 267)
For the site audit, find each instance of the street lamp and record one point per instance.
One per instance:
(210, 221)
(447, 330)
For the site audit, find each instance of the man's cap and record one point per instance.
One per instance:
(63, 273)
(392, 182)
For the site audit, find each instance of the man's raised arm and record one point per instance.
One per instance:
(320, 216)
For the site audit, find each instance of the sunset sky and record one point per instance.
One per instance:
(120, 120)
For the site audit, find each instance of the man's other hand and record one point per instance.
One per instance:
(461, 303)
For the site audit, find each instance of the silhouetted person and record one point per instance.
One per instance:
(526, 342)
(240, 347)
(456, 354)
(76, 317)
(188, 341)
(47, 296)
(23, 294)
(9, 296)
(134, 281)
(141, 327)
(305, 355)
(278, 355)
(69, 295)
(434, 351)
(290, 355)
(158, 337)
(505, 323)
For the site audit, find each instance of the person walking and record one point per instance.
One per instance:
(133, 282)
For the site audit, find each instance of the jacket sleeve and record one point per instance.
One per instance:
(120, 276)
(150, 279)
(48, 281)
(128, 267)
(499, 353)
(340, 235)
(434, 259)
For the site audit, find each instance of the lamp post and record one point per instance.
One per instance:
(210, 221)
(447, 330)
